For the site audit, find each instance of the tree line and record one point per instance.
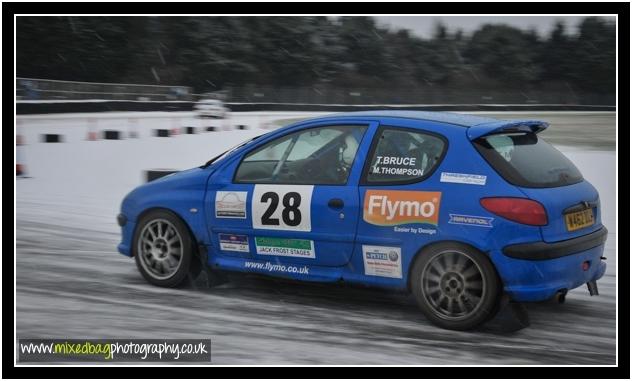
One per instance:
(210, 53)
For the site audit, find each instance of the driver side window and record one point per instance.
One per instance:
(317, 156)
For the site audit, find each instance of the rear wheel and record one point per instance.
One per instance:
(163, 249)
(455, 286)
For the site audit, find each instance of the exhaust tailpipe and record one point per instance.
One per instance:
(560, 296)
(592, 288)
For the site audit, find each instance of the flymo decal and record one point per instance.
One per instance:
(389, 208)
(233, 242)
(276, 267)
(462, 219)
(382, 261)
(302, 248)
(463, 178)
(230, 204)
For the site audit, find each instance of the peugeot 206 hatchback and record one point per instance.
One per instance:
(456, 209)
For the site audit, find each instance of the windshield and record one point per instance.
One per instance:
(221, 156)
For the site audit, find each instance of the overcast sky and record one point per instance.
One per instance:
(423, 26)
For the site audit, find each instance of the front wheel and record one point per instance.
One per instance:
(455, 286)
(163, 249)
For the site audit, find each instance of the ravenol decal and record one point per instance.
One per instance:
(389, 208)
(462, 219)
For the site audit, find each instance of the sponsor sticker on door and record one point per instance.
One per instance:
(390, 207)
(230, 204)
(233, 242)
(382, 261)
(463, 178)
(285, 247)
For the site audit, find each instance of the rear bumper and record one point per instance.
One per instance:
(543, 250)
(528, 280)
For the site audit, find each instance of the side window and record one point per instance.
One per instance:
(317, 156)
(404, 156)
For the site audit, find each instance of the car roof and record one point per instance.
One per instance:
(463, 120)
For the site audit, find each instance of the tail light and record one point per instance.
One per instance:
(520, 210)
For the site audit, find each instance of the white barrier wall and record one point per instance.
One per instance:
(78, 126)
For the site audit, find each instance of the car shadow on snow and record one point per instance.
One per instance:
(509, 319)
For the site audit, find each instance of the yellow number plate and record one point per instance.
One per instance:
(578, 220)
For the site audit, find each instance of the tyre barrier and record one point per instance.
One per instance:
(211, 128)
(132, 128)
(162, 133)
(52, 138)
(242, 127)
(112, 135)
(20, 168)
(154, 174)
(92, 129)
(189, 130)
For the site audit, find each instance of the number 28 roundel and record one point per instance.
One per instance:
(282, 207)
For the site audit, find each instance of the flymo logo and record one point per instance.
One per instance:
(390, 208)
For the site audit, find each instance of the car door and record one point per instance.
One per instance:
(293, 198)
(400, 201)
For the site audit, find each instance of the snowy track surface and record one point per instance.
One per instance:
(72, 283)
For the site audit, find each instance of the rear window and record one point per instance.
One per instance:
(526, 160)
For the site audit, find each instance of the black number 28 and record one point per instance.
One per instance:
(291, 213)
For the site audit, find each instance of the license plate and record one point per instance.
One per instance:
(578, 220)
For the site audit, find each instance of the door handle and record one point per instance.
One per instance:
(336, 203)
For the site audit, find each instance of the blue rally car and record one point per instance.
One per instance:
(456, 209)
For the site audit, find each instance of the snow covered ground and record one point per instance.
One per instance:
(71, 282)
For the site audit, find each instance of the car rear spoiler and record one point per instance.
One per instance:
(503, 126)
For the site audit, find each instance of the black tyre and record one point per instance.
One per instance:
(455, 285)
(164, 250)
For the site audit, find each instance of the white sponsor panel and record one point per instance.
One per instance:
(282, 207)
(382, 261)
(285, 247)
(233, 242)
(230, 204)
(463, 178)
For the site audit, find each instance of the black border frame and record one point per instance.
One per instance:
(622, 9)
